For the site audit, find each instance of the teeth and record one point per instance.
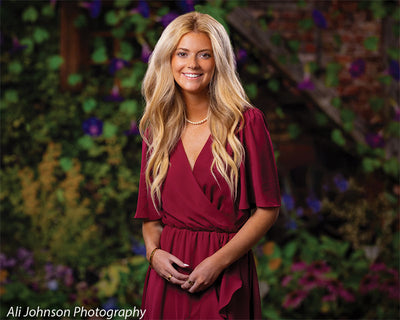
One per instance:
(192, 75)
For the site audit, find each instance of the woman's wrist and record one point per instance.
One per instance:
(150, 259)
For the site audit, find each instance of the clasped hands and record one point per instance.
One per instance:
(198, 280)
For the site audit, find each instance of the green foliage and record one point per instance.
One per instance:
(371, 43)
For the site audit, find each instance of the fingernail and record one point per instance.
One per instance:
(186, 265)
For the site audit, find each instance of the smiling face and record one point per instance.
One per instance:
(193, 63)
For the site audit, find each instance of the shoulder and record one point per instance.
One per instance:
(253, 117)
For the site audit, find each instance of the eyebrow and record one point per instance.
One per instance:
(184, 49)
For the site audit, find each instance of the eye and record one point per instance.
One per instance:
(181, 54)
(205, 55)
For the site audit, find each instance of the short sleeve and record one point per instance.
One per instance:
(145, 208)
(259, 183)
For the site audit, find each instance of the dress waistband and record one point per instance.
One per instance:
(200, 229)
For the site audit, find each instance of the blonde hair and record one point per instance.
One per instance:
(164, 118)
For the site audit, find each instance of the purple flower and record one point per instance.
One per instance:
(375, 140)
(114, 96)
(93, 127)
(138, 247)
(310, 280)
(299, 211)
(94, 7)
(397, 115)
(142, 8)
(16, 46)
(133, 130)
(146, 52)
(314, 204)
(291, 224)
(288, 201)
(394, 69)
(241, 56)
(186, 5)
(306, 84)
(341, 183)
(294, 299)
(5, 262)
(357, 68)
(168, 18)
(117, 64)
(319, 19)
(26, 257)
(52, 285)
(111, 304)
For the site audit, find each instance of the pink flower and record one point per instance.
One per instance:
(286, 280)
(369, 282)
(311, 280)
(319, 267)
(299, 266)
(294, 299)
(378, 267)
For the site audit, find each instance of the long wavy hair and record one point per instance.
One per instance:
(164, 118)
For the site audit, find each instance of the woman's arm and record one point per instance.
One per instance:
(209, 269)
(162, 261)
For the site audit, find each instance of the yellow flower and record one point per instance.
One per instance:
(3, 275)
(268, 248)
(274, 263)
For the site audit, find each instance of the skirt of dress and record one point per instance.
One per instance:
(234, 295)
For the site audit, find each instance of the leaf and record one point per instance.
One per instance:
(348, 117)
(336, 102)
(141, 23)
(86, 142)
(80, 21)
(109, 129)
(65, 164)
(321, 118)
(393, 129)
(371, 43)
(118, 33)
(127, 51)
(385, 79)
(121, 3)
(273, 85)
(130, 107)
(276, 39)
(252, 69)
(15, 67)
(99, 55)
(251, 90)
(280, 112)
(290, 250)
(332, 71)
(378, 9)
(30, 14)
(29, 43)
(89, 104)
(54, 62)
(393, 53)
(294, 45)
(74, 79)
(391, 167)
(338, 138)
(11, 96)
(111, 18)
(40, 35)
(48, 11)
(306, 24)
(369, 164)
(294, 130)
(376, 103)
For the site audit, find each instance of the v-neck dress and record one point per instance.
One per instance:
(199, 217)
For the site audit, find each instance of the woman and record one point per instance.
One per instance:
(207, 162)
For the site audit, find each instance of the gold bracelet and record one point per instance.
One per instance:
(151, 256)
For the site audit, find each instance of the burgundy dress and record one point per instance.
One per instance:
(199, 217)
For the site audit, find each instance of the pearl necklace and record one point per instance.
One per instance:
(198, 122)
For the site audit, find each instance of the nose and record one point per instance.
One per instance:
(192, 63)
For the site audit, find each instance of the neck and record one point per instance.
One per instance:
(196, 107)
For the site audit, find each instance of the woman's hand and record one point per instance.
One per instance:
(203, 276)
(162, 262)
